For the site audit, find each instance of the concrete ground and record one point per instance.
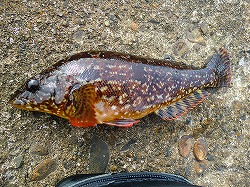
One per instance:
(38, 149)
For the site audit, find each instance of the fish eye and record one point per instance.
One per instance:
(33, 85)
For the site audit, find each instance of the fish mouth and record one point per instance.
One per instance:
(20, 99)
(14, 97)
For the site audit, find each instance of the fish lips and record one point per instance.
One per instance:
(24, 99)
(15, 97)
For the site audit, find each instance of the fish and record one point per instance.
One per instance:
(117, 89)
(132, 179)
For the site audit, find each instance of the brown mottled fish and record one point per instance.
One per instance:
(99, 87)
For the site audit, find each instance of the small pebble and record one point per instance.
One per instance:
(107, 23)
(197, 47)
(198, 131)
(74, 139)
(195, 37)
(113, 168)
(187, 171)
(68, 164)
(243, 117)
(188, 121)
(168, 57)
(129, 154)
(195, 17)
(8, 175)
(204, 28)
(200, 167)
(180, 48)
(168, 152)
(43, 169)
(185, 145)
(42, 47)
(154, 21)
(210, 157)
(128, 145)
(134, 26)
(99, 156)
(39, 150)
(113, 17)
(78, 36)
(18, 161)
(200, 149)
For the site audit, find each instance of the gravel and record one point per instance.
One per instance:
(36, 34)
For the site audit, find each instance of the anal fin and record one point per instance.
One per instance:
(122, 122)
(182, 106)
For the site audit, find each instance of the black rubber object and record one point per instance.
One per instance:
(139, 179)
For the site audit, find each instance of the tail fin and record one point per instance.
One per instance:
(220, 61)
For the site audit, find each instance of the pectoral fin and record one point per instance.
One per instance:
(83, 114)
(182, 106)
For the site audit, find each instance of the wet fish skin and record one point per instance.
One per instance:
(98, 87)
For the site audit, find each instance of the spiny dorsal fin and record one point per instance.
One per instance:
(181, 107)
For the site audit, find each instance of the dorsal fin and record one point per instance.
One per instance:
(182, 106)
(120, 56)
(138, 59)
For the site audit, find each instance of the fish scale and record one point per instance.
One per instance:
(117, 89)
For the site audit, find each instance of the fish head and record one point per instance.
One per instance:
(43, 93)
